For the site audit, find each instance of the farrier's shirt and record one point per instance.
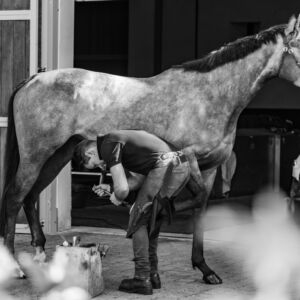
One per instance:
(137, 150)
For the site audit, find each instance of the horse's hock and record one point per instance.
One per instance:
(85, 267)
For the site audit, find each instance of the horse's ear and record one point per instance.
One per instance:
(297, 23)
(291, 26)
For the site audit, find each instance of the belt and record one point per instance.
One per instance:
(177, 154)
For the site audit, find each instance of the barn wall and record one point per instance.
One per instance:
(14, 63)
(141, 39)
(14, 58)
(18, 51)
(14, 4)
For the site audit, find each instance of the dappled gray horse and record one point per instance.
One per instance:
(195, 106)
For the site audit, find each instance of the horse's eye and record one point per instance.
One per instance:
(295, 43)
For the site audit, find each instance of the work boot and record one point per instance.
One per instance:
(136, 285)
(155, 280)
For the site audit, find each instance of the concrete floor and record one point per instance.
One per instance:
(179, 280)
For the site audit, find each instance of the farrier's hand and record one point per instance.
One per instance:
(102, 189)
(115, 200)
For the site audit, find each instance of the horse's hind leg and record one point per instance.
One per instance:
(38, 237)
(49, 171)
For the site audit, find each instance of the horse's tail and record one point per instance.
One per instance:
(11, 155)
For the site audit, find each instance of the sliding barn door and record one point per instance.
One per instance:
(18, 56)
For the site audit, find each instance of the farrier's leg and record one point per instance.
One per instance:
(144, 199)
(141, 282)
(140, 244)
(153, 242)
(145, 248)
(139, 228)
(172, 185)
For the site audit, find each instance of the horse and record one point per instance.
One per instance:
(194, 106)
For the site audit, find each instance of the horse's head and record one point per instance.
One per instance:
(295, 186)
(290, 67)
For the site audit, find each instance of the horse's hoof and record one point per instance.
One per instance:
(209, 277)
(19, 274)
(40, 258)
(22, 276)
(212, 278)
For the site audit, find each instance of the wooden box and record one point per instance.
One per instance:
(85, 268)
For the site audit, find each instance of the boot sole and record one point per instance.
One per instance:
(156, 287)
(136, 291)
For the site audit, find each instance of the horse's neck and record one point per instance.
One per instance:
(234, 83)
(224, 92)
(248, 75)
(244, 78)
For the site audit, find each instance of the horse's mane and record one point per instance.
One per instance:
(233, 51)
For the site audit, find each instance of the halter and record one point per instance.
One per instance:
(290, 51)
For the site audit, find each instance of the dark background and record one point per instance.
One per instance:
(142, 38)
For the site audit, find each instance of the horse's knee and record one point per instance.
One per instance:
(12, 209)
(39, 242)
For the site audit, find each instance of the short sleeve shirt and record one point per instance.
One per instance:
(137, 150)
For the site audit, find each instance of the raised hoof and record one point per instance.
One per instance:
(212, 279)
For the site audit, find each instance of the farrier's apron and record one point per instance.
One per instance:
(166, 180)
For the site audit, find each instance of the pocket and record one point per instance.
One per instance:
(176, 181)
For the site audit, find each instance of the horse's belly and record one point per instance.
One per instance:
(215, 157)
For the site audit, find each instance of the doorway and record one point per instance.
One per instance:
(101, 45)
(101, 36)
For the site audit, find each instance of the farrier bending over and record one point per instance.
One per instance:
(165, 171)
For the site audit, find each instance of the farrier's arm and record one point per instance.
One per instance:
(134, 180)
(120, 183)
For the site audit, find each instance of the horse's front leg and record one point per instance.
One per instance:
(198, 260)
(199, 189)
(194, 198)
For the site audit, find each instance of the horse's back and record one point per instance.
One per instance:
(80, 85)
(75, 101)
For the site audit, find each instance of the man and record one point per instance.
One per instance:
(159, 172)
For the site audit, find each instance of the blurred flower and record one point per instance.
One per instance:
(56, 280)
(269, 247)
(8, 266)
